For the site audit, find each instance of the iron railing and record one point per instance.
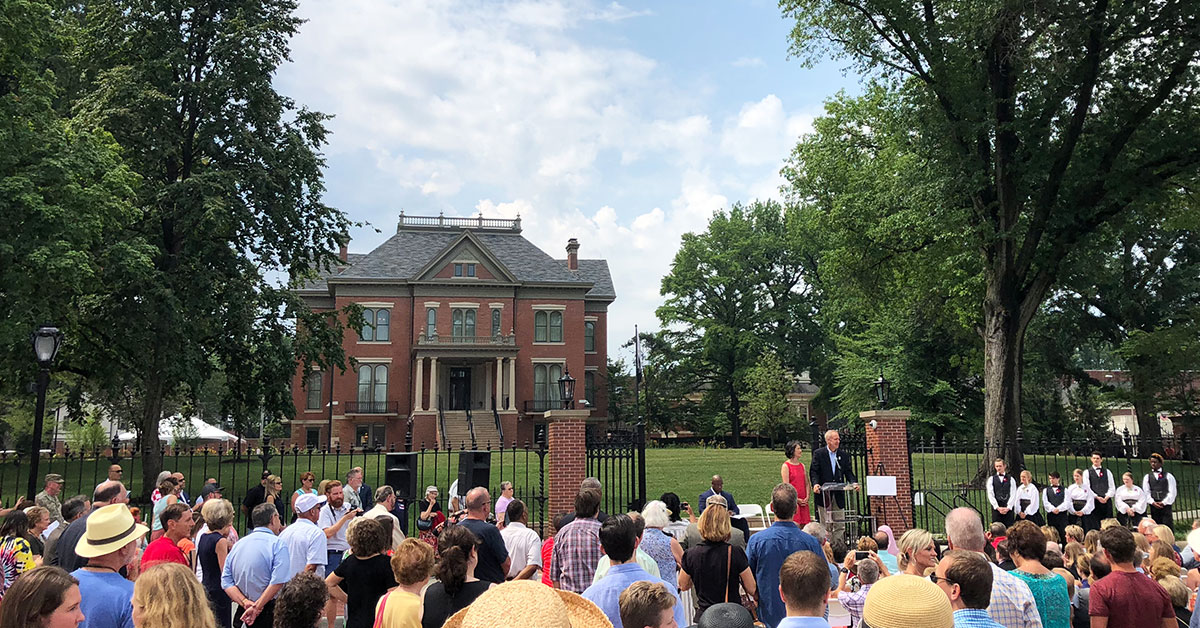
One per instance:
(478, 222)
(372, 407)
(496, 416)
(442, 423)
(239, 469)
(474, 341)
(471, 426)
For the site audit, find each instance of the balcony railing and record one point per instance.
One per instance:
(477, 222)
(372, 407)
(542, 405)
(470, 341)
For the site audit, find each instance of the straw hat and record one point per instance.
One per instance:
(109, 529)
(529, 604)
(903, 601)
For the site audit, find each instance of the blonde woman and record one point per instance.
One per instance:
(1028, 501)
(917, 552)
(167, 595)
(274, 494)
(412, 564)
(1130, 502)
(170, 495)
(212, 548)
(307, 480)
(714, 566)
(39, 520)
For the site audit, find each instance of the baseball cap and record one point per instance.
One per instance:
(308, 501)
(209, 489)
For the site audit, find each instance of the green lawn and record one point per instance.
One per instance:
(748, 473)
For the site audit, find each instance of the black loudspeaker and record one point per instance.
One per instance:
(474, 469)
(401, 475)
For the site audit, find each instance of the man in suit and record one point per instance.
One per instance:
(358, 495)
(717, 488)
(832, 464)
(1101, 481)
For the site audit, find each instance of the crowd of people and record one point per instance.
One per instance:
(346, 556)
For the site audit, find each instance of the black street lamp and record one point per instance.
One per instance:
(566, 390)
(882, 389)
(46, 341)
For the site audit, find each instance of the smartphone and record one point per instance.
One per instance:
(684, 505)
(860, 555)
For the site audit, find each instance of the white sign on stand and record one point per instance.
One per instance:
(881, 485)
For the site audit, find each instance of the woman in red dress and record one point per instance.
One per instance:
(793, 472)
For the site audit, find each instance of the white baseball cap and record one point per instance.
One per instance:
(308, 501)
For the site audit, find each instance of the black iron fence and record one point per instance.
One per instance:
(239, 470)
(616, 457)
(949, 473)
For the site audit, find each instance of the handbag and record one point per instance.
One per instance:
(379, 613)
(746, 600)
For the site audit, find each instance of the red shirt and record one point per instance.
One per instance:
(162, 550)
(547, 552)
(1130, 600)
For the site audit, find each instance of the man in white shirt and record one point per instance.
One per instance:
(385, 501)
(1160, 491)
(1002, 493)
(524, 545)
(1104, 486)
(306, 542)
(334, 518)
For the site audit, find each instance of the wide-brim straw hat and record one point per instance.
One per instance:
(904, 601)
(109, 529)
(529, 604)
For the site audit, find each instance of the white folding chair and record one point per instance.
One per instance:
(749, 511)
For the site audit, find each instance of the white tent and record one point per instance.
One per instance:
(204, 432)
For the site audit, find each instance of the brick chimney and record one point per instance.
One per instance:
(343, 247)
(573, 254)
(343, 251)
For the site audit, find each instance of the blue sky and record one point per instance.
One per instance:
(624, 125)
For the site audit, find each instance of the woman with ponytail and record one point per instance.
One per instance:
(457, 585)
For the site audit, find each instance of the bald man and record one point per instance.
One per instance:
(832, 464)
(717, 487)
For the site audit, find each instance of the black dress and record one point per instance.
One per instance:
(438, 607)
(364, 581)
(206, 553)
(715, 570)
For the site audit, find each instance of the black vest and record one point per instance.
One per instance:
(1055, 495)
(1001, 489)
(1099, 485)
(1158, 488)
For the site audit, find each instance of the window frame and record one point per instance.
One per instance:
(430, 321)
(319, 378)
(458, 269)
(555, 326)
(589, 336)
(496, 321)
(375, 382)
(471, 270)
(541, 326)
(589, 387)
(367, 332)
(383, 325)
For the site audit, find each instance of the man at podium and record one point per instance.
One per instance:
(832, 464)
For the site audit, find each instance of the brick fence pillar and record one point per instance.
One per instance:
(567, 445)
(887, 454)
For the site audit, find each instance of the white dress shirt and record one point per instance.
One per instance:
(1171, 491)
(524, 547)
(1051, 509)
(1012, 492)
(1132, 492)
(1030, 492)
(328, 518)
(1080, 491)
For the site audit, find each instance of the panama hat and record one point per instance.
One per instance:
(531, 605)
(902, 601)
(109, 529)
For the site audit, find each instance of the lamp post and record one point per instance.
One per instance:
(566, 390)
(46, 341)
(882, 390)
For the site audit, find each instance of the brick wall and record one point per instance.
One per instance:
(568, 463)
(887, 443)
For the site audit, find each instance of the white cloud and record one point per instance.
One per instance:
(762, 132)
(748, 62)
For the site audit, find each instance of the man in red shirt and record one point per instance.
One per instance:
(1126, 598)
(177, 525)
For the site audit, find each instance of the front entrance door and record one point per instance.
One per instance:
(312, 437)
(460, 388)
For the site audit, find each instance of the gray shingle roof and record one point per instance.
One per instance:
(320, 284)
(405, 254)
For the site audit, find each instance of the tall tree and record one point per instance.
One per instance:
(768, 410)
(229, 209)
(1039, 123)
(734, 289)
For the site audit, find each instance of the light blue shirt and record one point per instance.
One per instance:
(607, 592)
(803, 622)
(256, 562)
(974, 618)
(833, 465)
(890, 562)
(106, 599)
(766, 552)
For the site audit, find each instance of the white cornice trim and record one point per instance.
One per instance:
(373, 360)
(376, 304)
(551, 307)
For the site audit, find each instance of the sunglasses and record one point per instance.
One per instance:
(935, 579)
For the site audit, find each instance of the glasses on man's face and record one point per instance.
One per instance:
(934, 578)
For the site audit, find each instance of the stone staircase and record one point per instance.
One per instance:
(458, 435)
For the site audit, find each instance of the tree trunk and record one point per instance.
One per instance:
(735, 414)
(1004, 347)
(152, 459)
(1149, 439)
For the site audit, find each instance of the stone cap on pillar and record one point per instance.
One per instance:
(560, 415)
(885, 414)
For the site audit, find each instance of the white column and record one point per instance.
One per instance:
(512, 383)
(487, 377)
(499, 383)
(433, 383)
(418, 402)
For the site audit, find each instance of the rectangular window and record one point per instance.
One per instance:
(376, 325)
(545, 386)
(589, 387)
(541, 326)
(367, 332)
(372, 384)
(589, 336)
(556, 322)
(369, 435)
(312, 437)
(470, 270)
(313, 389)
(458, 270)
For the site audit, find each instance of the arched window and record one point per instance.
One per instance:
(372, 383)
(469, 323)
(368, 329)
(495, 322)
(380, 388)
(556, 327)
(431, 322)
(545, 385)
(589, 336)
(539, 384)
(456, 323)
(365, 373)
(382, 325)
(541, 326)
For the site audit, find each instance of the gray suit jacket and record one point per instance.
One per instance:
(692, 538)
